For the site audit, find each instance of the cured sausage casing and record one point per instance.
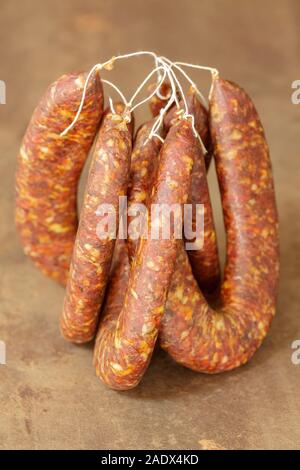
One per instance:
(204, 257)
(126, 337)
(91, 260)
(193, 333)
(48, 170)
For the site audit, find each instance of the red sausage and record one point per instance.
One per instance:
(204, 259)
(91, 260)
(144, 163)
(196, 108)
(193, 333)
(48, 170)
(156, 103)
(127, 336)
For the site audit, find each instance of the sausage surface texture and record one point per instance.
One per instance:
(48, 170)
(193, 333)
(144, 163)
(91, 260)
(201, 120)
(127, 336)
(156, 103)
(204, 258)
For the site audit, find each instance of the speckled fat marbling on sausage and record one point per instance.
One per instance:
(127, 336)
(48, 170)
(194, 334)
(200, 113)
(205, 259)
(91, 259)
(156, 103)
(144, 163)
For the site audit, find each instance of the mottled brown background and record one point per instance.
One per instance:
(49, 396)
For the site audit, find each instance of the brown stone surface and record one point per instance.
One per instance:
(49, 395)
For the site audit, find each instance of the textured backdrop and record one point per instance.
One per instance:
(49, 395)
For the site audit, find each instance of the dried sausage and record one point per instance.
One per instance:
(144, 159)
(200, 113)
(156, 103)
(144, 162)
(126, 337)
(92, 255)
(49, 167)
(193, 333)
(205, 259)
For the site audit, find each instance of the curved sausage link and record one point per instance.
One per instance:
(144, 163)
(201, 118)
(48, 170)
(205, 259)
(194, 334)
(126, 338)
(91, 260)
(156, 103)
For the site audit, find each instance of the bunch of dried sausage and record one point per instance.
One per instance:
(127, 294)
